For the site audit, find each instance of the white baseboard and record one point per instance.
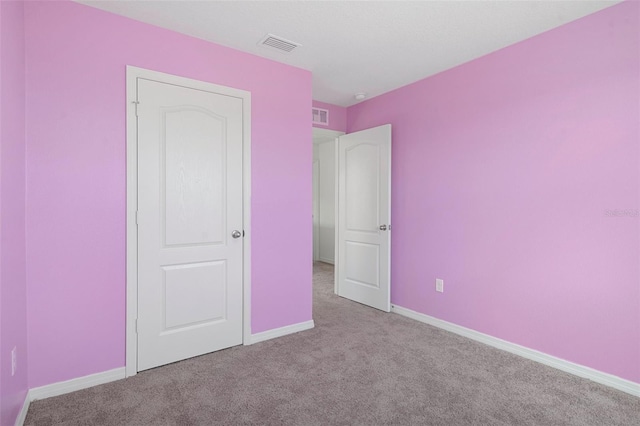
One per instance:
(73, 385)
(552, 361)
(22, 415)
(282, 331)
(327, 260)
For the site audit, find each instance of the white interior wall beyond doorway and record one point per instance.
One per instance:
(324, 160)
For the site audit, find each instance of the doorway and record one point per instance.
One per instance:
(188, 239)
(324, 193)
(352, 217)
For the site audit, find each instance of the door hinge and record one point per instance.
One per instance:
(137, 217)
(135, 105)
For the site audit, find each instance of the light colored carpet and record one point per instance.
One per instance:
(358, 366)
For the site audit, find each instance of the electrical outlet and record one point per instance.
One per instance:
(439, 285)
(14, 360)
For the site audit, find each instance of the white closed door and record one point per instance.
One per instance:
(189, 222)
(364, 217)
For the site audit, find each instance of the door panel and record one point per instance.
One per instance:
(197, 286)
(364, 205)
(362, 184)
(193, 177)
(362, 263)
(189, 202)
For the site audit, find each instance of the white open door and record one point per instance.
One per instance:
(363, 238)
(190, 215)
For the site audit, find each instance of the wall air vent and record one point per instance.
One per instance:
(320, 116)
(278, 43)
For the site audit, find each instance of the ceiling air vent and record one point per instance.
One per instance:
(278, 43)
(320, 116)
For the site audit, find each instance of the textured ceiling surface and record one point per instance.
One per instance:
(361, 46)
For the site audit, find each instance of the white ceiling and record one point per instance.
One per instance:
(361, 46)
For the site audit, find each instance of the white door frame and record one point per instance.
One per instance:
(133, 73)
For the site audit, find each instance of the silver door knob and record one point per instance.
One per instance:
(383, 227)
(236, 234)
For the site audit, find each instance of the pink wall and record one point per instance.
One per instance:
(337, 116)
(13, 290)
(76, 58)
(503, 170)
